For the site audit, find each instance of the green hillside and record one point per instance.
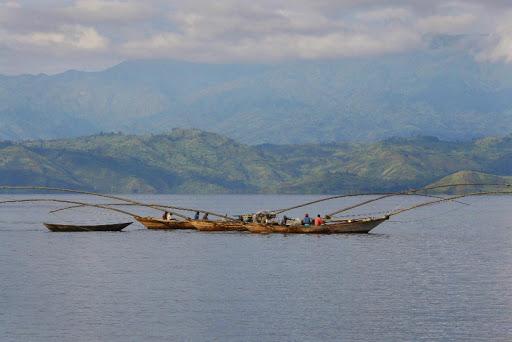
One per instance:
(472, 177)
(193, 161)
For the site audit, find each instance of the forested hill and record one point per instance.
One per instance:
(440, 92)
(193, 161)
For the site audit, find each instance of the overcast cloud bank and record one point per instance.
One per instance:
(53, 36)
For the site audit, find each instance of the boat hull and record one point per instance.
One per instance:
(159, 224)
(86, 228)
(360, 226)
(219, 226)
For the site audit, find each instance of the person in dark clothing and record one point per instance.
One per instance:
(284, 220)
(196, 216)
(205, 216)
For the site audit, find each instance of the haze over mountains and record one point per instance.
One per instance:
(440, 92)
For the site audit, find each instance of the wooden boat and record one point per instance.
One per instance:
(157, 223)
(354, 226)
(219, 226)
(87, 228)
(358, 226)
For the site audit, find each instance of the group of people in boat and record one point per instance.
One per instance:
(306, 221)
(167, 216)
(197, 214)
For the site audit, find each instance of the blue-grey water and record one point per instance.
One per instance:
(439, 273)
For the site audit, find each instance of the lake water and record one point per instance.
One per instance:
(439, 273)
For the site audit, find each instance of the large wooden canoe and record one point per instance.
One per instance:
(219, 226)
(157, 223)
(87, 228)
(353, 226)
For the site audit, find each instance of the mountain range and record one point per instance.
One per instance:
(194, 161)
(440, 92)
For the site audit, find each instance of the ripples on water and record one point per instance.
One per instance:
(441, 273)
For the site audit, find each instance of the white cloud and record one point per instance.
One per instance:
(108, 10)
(66, 38)
(274, 47)
(243, 30)
(499, 45)
(447, 24)
(385, 14)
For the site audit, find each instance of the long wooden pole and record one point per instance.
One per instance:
(360, 204)
(382, 196)
(70, 202)
(399, 211)
(45, 188)
(161, 207)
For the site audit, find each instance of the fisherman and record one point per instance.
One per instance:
(205, 216)
(284, 220)
(318, 220)
(307, 220)
(167, 216)
(196, 216)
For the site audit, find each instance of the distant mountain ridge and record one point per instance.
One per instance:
(194, 161)
(439, 92)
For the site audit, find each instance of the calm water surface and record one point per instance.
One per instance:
(439, 273)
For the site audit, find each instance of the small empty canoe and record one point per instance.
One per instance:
(157, 223)
(87, 228)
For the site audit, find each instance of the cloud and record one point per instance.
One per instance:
(108, 11)
(242, 30)
(274, 47)
(66, 38)
(385, 14)
(499, 45)
(447, 24)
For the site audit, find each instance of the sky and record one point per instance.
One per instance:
(50, 36)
